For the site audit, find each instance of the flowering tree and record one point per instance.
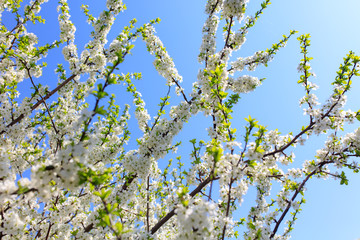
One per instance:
(85, 183)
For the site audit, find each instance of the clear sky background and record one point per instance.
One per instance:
(332, 212)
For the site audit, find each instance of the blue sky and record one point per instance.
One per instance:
(332, 211)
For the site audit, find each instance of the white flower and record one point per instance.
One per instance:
(234, 8)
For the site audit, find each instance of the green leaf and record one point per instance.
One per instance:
(101, 95)
(119, 227)
(252, 163)
(344, 180)
(358, 116)
(106, 220)
(100, 110)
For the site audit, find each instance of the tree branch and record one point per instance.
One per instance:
(19, 118)
(192, 194)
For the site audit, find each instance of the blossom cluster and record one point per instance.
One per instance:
(208, 45)
(163, 63)
(234, 8)
(195, 222)
(66, 171)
